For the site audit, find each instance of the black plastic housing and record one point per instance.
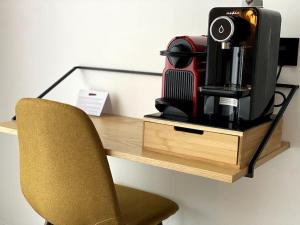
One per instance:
(256, 70)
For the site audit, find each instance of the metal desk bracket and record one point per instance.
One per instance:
(251, 167)
(278, 116)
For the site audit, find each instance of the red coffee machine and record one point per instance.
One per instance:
(184, 72)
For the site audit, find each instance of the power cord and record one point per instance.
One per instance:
(283, 97)
(279, 92)
(279, 72)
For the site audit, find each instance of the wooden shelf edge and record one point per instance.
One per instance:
(194, 126)
(217, 174)
(171, 165)
(9, 127)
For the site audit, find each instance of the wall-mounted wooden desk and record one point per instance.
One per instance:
(122, 137)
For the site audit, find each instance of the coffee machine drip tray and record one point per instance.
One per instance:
(230, 92)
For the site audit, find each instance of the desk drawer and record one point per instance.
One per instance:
(191, 143)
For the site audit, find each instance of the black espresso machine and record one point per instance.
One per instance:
(241, 66)
(243, 47)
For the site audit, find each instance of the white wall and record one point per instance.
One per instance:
(41, 39)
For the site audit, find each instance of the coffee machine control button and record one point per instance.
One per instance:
(222, 29)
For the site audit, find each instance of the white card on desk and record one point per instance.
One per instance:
(91, 102)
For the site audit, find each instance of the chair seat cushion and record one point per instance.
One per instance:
(143, 208)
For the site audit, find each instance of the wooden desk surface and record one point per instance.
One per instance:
(122, 137)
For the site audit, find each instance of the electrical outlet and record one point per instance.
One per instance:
(288, 51)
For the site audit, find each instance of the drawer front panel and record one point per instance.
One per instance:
(190, 143)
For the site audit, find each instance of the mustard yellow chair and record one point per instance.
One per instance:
(65, 175)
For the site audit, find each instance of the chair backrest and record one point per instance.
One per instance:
(64, 172)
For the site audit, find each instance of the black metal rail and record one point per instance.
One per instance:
(279, 115)
(95, 69)
(44, 93)
(293, 89)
